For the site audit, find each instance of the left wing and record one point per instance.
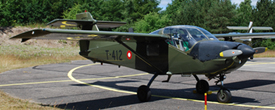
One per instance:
(63, 34)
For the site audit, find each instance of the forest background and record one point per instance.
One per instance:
(143, 15)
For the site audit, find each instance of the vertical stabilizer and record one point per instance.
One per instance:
(85, 16)
(88, 17)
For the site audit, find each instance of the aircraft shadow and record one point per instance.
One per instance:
(179, 93)
(249, 84)
(101, 103)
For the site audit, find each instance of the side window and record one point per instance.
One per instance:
(156, 32)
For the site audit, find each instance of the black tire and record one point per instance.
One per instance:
(202, 86)
(144, 93)
(224, 96)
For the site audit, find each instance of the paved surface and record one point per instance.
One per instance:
(83, 85)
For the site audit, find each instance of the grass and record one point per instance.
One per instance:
(269, 53)
(21, 56)
(10, 103)
(32, 25)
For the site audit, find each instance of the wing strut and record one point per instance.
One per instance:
(138, 55)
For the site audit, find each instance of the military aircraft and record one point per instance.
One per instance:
(173, 50)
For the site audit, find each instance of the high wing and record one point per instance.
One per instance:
(246, 35)
(63, 34)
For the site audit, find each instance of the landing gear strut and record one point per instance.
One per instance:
(144, 92)
(223, 94)
(202, 86)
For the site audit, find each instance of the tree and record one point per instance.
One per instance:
(139, 8)
(112, 10)
(220, 15)
(244, 13)
(71, 12)
(151, 22)
(264, 13)
(173, 7)
(191, 12)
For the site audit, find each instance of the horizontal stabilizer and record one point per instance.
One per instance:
(85, 21)
(67, 23)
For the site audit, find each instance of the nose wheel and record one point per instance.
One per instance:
(223, 95)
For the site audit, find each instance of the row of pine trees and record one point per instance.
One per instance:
(143, 15)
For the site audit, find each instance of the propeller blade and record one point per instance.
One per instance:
(230, 53)
(260, 49)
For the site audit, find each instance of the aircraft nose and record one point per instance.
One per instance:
(247, 50)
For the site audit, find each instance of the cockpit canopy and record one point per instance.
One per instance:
(185, 36)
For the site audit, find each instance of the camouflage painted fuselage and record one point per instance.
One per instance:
(155, 57)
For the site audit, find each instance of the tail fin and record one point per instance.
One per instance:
(86, 16)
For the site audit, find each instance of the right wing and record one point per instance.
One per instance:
(246, 35)
(247, 28)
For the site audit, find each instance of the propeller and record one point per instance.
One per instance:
(260, 49)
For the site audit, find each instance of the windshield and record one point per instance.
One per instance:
(208, 34)
(185, 36)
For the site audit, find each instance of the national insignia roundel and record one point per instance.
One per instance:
(129, 54)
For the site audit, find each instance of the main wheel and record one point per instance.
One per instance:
(202, 86)
(144, 93)
(224, 96)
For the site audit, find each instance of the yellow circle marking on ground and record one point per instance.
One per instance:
(87, 79)
(70, 75)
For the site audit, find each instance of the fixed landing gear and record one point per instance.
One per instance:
(202, 86)
(223, 95)
(144, 92)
